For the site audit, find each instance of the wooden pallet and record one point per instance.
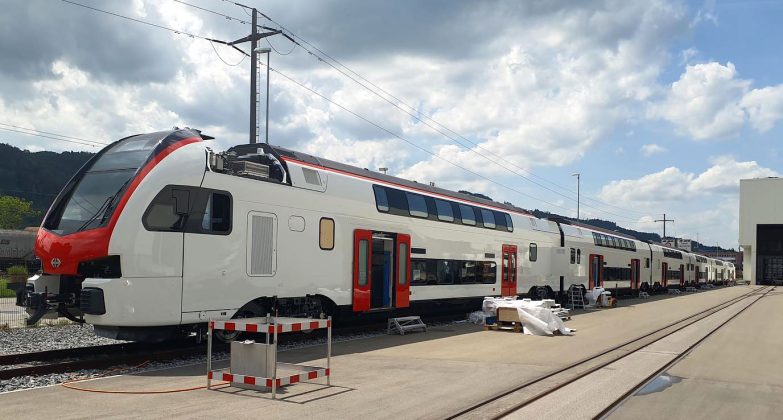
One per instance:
(504, 326)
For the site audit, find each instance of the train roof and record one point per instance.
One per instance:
(288, 154)
(564, 221)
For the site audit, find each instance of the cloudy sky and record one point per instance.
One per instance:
(662, 106)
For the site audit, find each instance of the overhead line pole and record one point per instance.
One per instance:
(578, 182)
(664, 220)
(254, 78)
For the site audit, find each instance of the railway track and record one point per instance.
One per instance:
(133, 353)
(95, 357)
(512, 400)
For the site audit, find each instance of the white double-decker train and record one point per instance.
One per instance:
(157, 234)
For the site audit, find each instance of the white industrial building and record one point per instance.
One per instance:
(761, 229)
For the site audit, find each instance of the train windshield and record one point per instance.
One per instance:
(92, 200)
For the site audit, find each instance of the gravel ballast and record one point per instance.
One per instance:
(70, 336)
(25, 340)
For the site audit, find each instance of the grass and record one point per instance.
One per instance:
(4, 290)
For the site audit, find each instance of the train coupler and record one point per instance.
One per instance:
(37, 302)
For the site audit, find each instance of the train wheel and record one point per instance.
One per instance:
(541, 293)
(229, 336)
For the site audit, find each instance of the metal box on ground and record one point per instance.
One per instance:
(253, 359)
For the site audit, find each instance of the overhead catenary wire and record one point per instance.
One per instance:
(422, 117)
(395, 135)
(411, 111)
(50, 137)
(53, 134)
(327, 99)
(176, 31)
(224, 61)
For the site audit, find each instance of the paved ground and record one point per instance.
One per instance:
(587, 397)
(736, 373)
(416, 376)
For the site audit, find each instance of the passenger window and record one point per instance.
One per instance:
(578, 256)
(326, 234)
(445, 212)
(217, 217)
(488, 219)
(417, 206)
(646, 263)
(573, 256)
(364, 246)
(418, 272)
(488, 272)
(509, 223)
(467, 214)
(381, 201)
(533, 252)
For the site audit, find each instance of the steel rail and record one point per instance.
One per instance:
(688, 320)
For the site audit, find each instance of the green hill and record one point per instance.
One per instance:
(37, 176)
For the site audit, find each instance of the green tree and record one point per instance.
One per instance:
(13, 210)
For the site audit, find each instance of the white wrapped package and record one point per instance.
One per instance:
(535, 317)
(592, 295)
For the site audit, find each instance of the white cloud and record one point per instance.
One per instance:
(706, 14)
(672, 184)
(706, 202)
(652, 149)
(562, 85)
(710, 101)
(724, 175)
(764, 107)
(687, 55)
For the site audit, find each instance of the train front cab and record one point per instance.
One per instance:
(99, 263)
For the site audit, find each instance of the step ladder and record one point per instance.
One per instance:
(576, 298)
(404, 324)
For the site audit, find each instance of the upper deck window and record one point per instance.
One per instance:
(417, 206)
(445, 212)
(467, 214)
(381, 201)
(488, 219)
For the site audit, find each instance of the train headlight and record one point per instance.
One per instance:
(106, 267)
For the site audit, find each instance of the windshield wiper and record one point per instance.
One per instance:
(105, 207)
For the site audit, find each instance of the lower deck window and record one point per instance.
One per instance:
(439, 272)
(617, 274)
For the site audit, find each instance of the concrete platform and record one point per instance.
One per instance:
(423, 375)
(736, 373)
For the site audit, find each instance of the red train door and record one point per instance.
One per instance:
(664, 273)
(362, 269)
(596, 271)
(402, 296)
(508, 279)
(682, 274)
(635, 271)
